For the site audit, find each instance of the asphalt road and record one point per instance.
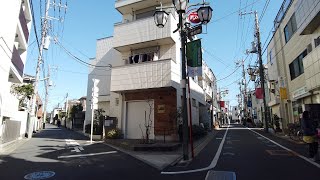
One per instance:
(235, 150)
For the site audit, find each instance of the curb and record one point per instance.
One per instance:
(290, 140)
(136, 157)
(197, 150)
(8, 148)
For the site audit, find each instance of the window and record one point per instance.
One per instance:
(296, 67)
(290, 28)
(117, 102)
(316, 42)
(270, 57)
(194, 104)
(145, 13)
(143, 55)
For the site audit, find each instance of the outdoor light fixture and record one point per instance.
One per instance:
(160, 18)
(250, 71)
(205, 14)
(180, 5)
(253, 77)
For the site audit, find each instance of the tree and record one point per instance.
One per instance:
(148, 122)
(23, 93)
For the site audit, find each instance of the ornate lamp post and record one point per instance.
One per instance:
(160, 18)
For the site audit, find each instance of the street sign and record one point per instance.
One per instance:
(195, 30)
(193, 17)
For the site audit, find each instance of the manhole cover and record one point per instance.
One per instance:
(39, 175)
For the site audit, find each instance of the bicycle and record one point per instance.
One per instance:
(295, 132)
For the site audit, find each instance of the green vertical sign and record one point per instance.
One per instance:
(194, 58)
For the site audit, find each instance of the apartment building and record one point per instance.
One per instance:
(15, 20)
(293, 59)
(143, 86)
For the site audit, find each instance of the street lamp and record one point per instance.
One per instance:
(160, 18)
(205, 14)
(180, 5)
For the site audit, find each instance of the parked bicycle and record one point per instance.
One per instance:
(295, 132)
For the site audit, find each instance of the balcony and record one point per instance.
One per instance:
(127, 6)
(311, 64)
(143, 33)
(307, 16)
(154, 74)
(23, 23)
(17, 62)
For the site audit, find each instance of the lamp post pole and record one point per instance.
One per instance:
(161, 17)
(184, 92)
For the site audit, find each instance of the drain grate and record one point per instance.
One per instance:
(39, 175)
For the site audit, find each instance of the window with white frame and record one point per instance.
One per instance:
(144, 55)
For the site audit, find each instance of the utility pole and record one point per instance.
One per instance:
(44, 33)
(261, 67)
(65, 119)
(261, 71)
(36, 83)
(244, 90)
(47, 84)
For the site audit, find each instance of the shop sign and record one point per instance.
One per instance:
(283, 93)
(299, 92)
(161, 108)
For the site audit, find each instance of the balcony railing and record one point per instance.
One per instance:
(154, 74)
(23, 23)
(17, 62)
(142, 30)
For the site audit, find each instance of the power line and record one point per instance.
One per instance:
(234, 12)
(78, 59)
(34, 25)
(264, 10)
(215, 57)
(233, 71)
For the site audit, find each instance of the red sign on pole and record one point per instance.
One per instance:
(193, 17)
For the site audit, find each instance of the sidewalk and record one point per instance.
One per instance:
(160, 160)
(9, 147)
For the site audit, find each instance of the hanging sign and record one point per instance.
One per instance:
(194, 58)
(194, 18)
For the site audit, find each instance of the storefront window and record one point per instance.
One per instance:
(297, 110)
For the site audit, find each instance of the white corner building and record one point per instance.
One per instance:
(143, 85)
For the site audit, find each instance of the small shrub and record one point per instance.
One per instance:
(198, 131)
(114, 134)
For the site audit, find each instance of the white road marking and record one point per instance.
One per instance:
(283, 147)
(85, 155)
(76, 146)
(211, 166)
(75, 150)
(228, 153)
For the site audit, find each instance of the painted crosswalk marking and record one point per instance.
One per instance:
(75, 145)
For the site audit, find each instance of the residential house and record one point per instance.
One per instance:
(294, 59)
(143, 86)
(15, 20)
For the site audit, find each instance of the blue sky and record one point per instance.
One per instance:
(228, 36)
